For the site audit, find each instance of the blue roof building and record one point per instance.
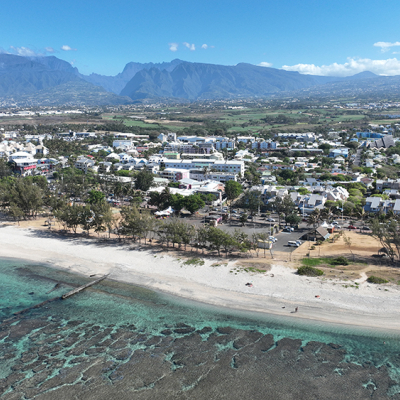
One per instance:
(344, 152)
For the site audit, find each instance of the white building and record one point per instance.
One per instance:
(235, 167)
(83, 163)
(200, 176)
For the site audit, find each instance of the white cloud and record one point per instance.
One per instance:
(352, 66)
(24, 51)
(191, 47)
(265, 64)
(385, 46)
(173, 46)
(67, 48)
(204, 46)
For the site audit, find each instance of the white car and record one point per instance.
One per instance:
(273, 239)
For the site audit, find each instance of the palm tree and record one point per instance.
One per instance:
(165, 196)
(314, 218)
(326, 213)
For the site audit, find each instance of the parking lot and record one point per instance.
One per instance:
(284, 237)
(260, 225)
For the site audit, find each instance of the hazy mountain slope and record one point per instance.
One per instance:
(74, 93)
(208, 81)
(48, 81)
(118, 82)
(20, 75)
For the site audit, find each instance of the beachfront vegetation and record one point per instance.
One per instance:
(376, 279)
(194, 261)
(23, 198)
(389, 236)
(309, 271)
(312, 262)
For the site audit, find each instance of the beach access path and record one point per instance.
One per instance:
(218, 282)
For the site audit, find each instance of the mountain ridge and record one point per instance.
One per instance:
(193, 81)
(30, 79)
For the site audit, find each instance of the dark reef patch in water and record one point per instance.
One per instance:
(52, 359)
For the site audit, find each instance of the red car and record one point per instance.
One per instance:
(352, 227)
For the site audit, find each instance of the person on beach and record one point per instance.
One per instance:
(296, 309)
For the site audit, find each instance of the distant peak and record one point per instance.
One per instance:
(365, 74)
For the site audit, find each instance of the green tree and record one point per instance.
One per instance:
(144, 180)
(69, 216)
(284, 206)
(193, 203)
(233, 189)
(102, 216)
(303, 191)
(95, 197)
(389, 236)
(131, 224)
(243, 219)
(293, 219)
(5, 169)
(217, 238)
(251, 200)
(25, 195)
(314, 218)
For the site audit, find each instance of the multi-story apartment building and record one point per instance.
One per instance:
(236, 167)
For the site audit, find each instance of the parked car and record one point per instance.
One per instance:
(365, 228)
(273, 239)
(335, 223)
(270, 220)
(337, 226)
(288, 229)
(293, 243)
(263, 215)
(352, 227)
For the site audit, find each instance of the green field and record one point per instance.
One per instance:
(139, 123)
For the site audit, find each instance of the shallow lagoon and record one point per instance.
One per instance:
(116, 340)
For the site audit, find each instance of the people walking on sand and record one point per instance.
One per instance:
(296, 309)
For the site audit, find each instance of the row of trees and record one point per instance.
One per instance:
(24, 198)
(138, 226)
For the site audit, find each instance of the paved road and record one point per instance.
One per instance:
(357, 160)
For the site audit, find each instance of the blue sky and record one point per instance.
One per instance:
(322, 37)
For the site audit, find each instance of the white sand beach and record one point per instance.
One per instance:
(372, 306)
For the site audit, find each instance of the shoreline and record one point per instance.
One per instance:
(224, 286)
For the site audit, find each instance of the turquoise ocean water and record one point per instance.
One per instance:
(112, 304)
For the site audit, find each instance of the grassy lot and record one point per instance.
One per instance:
(141, 124)
(385, 121)
(313, 262)
(246, 129)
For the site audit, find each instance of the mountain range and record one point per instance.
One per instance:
(51, 81)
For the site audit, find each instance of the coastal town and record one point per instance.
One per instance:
(200, 201)
(308, 185)
(295, 221)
